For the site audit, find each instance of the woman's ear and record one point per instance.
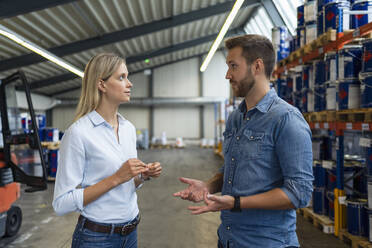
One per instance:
(101, 85)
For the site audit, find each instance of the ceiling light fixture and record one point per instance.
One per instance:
(221, 34)
(41, 51)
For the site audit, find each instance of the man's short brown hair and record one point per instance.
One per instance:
(255, 46)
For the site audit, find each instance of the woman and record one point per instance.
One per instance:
(98, 171)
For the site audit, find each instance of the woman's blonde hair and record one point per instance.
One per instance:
(100, 67)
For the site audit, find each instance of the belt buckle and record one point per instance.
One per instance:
(125, 229)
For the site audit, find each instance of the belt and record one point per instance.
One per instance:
(122, 229)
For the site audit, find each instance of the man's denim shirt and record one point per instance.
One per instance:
(265, 148)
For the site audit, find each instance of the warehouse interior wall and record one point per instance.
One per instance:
(180, 79)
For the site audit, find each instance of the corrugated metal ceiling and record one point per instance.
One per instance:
(89, 19)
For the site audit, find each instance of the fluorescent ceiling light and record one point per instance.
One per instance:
(221, 34)
(41, 51)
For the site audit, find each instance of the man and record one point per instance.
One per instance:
(267, 172)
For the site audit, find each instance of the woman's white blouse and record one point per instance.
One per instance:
(90, 152)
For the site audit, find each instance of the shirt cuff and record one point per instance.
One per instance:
(78, 196)
(292, 197)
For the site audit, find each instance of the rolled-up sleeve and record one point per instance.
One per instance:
(294, 151)
(68, 197)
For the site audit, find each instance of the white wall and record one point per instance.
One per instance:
(176, 80)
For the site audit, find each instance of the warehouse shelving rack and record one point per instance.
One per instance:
(337, 124)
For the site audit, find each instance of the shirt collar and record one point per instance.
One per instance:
(97, 119)
(263, 105)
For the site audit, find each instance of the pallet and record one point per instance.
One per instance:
(354, 115)
(353, 240)
(50, 145)
(321, 222)
(325, 38)
(366, 36)
(327, 116)
(168, 146)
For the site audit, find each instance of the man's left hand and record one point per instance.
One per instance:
(155, 170)
(213, 203)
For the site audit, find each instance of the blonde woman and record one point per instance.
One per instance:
(98, 171)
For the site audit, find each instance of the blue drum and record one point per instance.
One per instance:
(319, 200)
(319, 98)
(334, 16)
(280, 38)
(365, 90)
(350, 61)
(319, 23)
(321, 3)
(304, 107)
(320, 75)
(298, 82)
(300, 36)
(300, 15)
(369, 163)
(357, 217)
(331, 72)
(367, 56)
(297, 99)
(305, 76)
(331, 206)
(360, 20)
(320, 175)
(349, 94)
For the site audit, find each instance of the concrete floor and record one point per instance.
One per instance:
(166, 223)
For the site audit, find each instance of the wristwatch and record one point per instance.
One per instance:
(236, 207)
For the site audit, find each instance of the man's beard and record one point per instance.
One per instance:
(244, 86)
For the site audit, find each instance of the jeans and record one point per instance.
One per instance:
(85, 238)
(221, 246)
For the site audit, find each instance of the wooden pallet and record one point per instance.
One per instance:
(156, 146)
(325, 38)
(353, 240)
(354, 115)
(328, 116)
(321, 222)
(366, 36)
(306, 116)
(50, 145)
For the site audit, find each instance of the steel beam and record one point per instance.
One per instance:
(124, 34)
(10, 8)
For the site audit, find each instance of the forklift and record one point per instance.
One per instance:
(21, 154)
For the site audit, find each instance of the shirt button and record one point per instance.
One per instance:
(232, 159)
(251, 137)
(237, 138)
(229, 181)
(228, 228)
(247, 118)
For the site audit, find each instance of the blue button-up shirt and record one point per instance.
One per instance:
(90, 152)
(266, 147)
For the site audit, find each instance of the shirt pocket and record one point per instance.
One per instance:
(227, 138)
(251, 145)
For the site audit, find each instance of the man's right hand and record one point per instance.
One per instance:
(131, 168)
(195, 191)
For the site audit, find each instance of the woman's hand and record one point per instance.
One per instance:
(131, 168)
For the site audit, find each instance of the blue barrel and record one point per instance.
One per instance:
(320, 176)
(300, 16)
(321, 3)
(319, 200)
(350, 61)
(292, 44)
(305, 76)
(41, 132)
(365, 90)
(319, 98)
(331, 206)
(319, 23)
(298, 82)
(41, 121)
(320, 75)
(369, 216)
(334, 16)
(53, 162)
(349, 94)
(24, 123)
(369, 161)
(304, 107)
(301, 39)
(331, 66)
(297, 97)
(360, 20)
(280, 38)
(357, 217)
(367, 56)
